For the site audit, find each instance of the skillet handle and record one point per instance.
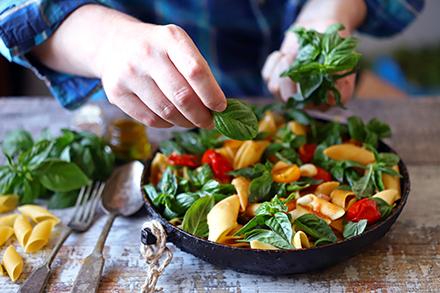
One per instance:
(155, 252)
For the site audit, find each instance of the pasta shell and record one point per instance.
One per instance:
(327, 187)
(297, 128)
(13, 263)
(392, 182)
(8, 202)
(321, 206)
(8, 220)
(222, 218)
(342, 198)
(308, 170)
(227, 152)
(37, 213)
(241, 184)
(233, 144)
(5, 233)
(300, 240)
(251, 209)
(388, 195)
(346, 151)
(249, 153)
(22, 230)
(255, 244)
(158, 166)
(268, 124)
(39, 236)
(298, 212)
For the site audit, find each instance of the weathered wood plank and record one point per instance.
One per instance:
(406, 259)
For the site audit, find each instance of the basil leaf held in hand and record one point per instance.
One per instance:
(237, 121)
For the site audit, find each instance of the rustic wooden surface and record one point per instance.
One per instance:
(407, 259)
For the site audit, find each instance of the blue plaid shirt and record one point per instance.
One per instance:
(235, 36)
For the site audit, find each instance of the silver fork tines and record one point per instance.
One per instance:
(85, 206)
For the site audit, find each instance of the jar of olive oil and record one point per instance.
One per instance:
(128, 140)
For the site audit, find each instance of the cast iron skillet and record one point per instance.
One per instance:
(276, 262)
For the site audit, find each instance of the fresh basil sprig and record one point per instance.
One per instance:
(195, 219)
(317, 228)
(322, 59)
(354, 228)
(237, 121)
(369, 133)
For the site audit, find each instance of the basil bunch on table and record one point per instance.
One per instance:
(53, 167)
(322, 59)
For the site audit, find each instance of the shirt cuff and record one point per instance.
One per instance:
(387, 18)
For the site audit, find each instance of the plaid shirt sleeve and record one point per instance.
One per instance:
(25, 24)
(388, 17)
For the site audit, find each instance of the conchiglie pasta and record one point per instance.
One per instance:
(39, 236)
(321, 206)
(249, 153)
(350, 152)
(241, 184)
(8, 202)
(297, 128)
(300, 240)
(388, 195)
(222, 218)
(392, 182)
(343, 198)
(13, 263)
(256, 244)
(37, 213)
(8, 220)
(22, 230)
(5, 233)
(327, 187)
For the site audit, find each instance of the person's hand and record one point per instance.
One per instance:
(158, 76)
(280, 60)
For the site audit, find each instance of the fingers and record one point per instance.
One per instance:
(195, 70)
(177, 90)
(134, 107)
(150, 94)
(270, 64)
(276, 82)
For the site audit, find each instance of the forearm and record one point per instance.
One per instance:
(325, 12)
(77, 45)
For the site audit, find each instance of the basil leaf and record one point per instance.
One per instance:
(16, 142)
(389, 159)
(356, 128)
(62, 200)
(315, 227)
(259, 188)
(272, 207)
(380, 128)
(384, 208)
(354, 228)
(152, 194)
(61, 176)
(256, 221)
(168, 182)
(190, 141)
(269, 237)
(280, 224)
(167, 147)
(365, 186)
(195, 219)
(237, 121)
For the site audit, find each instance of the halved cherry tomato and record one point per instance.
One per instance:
(219, 164)
(184, 160)
(306, 152)
(285, 173)
(323, 175)
(364, 209)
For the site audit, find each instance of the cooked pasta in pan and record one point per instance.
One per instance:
(299, 184)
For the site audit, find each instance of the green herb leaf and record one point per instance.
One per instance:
(315, 227)
(237, 121)
(280, 224)
(384, 208)
(61, 176)
(365, 186)
(168, 182)
(195, 219)
(16, 142)
(269, 237)
(260, 187)
(62, 200)
(354, 228)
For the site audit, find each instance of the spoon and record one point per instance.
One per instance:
(121, 197)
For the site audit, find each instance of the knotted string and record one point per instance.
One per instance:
(153, 254)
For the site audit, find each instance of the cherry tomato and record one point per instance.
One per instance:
(183, 160)
(306, 152)
(219, 164)
(364, 209)
(323, 175)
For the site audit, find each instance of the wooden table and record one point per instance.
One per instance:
(406, 259)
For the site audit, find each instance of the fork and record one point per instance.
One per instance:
(82, 218)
